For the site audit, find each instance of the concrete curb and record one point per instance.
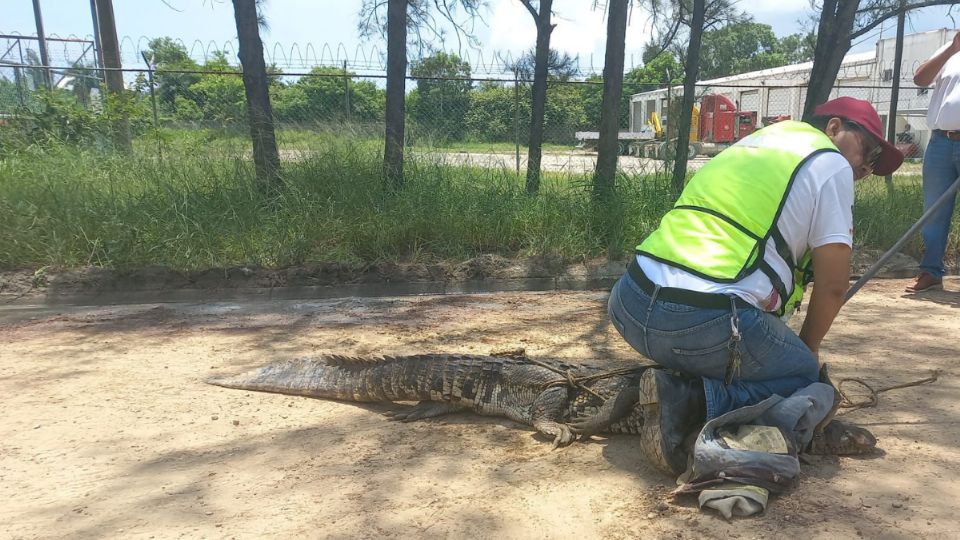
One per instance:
(490, 285)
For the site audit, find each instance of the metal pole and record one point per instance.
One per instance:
(895, 87)
(153, 102)
(872, 271)
(666, 114)
(18, 76)
(516, 114)
(346, 90)
(98, 53)
(44, 59)
(21, 81)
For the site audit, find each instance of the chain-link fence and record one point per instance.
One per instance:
(463, 120)
(22, 70)
(724, 113)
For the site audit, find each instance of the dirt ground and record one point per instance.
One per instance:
(581, 161)
(108, 429)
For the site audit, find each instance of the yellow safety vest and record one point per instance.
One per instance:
(719, 227)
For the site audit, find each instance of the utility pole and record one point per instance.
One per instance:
(44, 59)
(895, 87)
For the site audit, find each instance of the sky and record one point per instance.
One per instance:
(327, 29)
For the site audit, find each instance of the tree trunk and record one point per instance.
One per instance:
(833, 42)
(539, 100)
(266, 159)
(608, 146)
(689, 90)
(895, 89)
(111, 62)
(396, 91)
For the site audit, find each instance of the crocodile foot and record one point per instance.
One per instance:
(840, 438)
(561, 433)
(610, 411)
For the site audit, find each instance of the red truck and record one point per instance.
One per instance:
(721, 124)
(716, 125)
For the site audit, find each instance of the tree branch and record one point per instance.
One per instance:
(890, 14)
(533, 12)
(668, 39)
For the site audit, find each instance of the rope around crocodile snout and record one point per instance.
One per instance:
(874, 394)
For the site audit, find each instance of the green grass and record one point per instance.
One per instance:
(882, 215)
(293, 138)
(199, 207)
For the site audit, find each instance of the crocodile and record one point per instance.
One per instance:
(559, 399)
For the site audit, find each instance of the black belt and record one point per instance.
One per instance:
(684, 296)
(952, 134)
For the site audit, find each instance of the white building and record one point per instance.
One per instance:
(782, 91)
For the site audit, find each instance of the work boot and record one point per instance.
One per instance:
(672, 406)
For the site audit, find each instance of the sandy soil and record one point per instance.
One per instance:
(109, 431)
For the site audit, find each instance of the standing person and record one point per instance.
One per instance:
(705, 293)
(941, 161)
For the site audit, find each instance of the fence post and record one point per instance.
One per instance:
(21, 82)
(18, 77)
(346, 91)
(516, 114)
(666, 125)
(153, 103)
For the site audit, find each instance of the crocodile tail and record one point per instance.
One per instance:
(345, 378)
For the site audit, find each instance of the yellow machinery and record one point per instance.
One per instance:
(694, 123)
(659, 147)
(657, 126)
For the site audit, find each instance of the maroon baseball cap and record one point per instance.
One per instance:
(862, 113)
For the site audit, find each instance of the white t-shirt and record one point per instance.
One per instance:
(818, 211)
(944, 111)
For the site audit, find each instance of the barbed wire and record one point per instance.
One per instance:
(370, 57)
(370, 60)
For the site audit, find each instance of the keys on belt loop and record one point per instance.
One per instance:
(733, 366)
(646, 323)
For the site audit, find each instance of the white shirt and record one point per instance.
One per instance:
(944, 111)
(818, 211)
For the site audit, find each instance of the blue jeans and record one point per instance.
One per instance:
(941, 167)
(695, 341)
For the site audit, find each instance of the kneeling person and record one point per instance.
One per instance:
(706, 292)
